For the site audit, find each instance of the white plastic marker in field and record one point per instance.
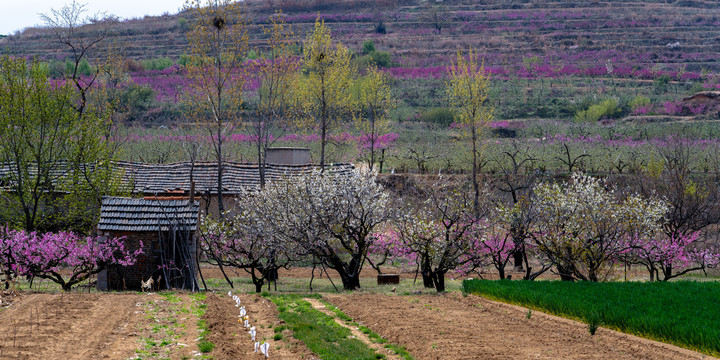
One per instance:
(229, 293)
(265, 349)
(243, 312)
(252, 333)
(257, 345)
(247, 323)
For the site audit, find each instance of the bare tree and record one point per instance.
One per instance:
(82, 35)
(692, 198)
(275, 76)
(518, 176)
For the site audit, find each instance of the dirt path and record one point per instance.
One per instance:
(450, 326)
(232, 340)
(70, 326)
(318, 305)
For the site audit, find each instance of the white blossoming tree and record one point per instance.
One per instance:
(583, 226)
(441, 234)
(330, 218)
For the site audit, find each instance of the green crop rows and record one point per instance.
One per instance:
(683, 313)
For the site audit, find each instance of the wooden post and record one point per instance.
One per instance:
(192, 193)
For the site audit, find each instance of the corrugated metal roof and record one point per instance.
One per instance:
(158, 178)
(130, 214)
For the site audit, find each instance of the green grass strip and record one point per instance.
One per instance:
(198, 308)
(320, 332)
(683, 313)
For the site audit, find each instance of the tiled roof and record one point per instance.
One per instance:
(158, 178)
(154, 178)
(129, 214)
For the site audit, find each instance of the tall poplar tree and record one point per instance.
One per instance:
(467, 93)
(323, 86)
(218, 42)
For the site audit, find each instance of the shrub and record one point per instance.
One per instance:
(661, 84)
(380, 28)
(637, 102)
(381, 58)
(183, 24)
(439, 116)
(157, 64)
(368, 47)
(607, 108)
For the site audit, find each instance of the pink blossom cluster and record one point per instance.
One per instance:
(385, 141)
(45, 255)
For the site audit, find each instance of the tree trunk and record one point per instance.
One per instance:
(476, 186)
(261, 163)
(439, 279)
(565, 273)
(427, 275)
(427, 280)
(382, 160)
(350, 282)
(258, 285)
(667, 272)
(518, 260)
(221, 206)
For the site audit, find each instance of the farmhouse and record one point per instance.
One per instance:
(164, 230)
(163, 180)
(162, 220)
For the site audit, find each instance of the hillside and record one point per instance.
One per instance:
(422, 33)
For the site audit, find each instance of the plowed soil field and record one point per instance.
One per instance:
(447, 326)
(70, 326)
(451, 326)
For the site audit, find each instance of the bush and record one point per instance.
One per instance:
(439, 116)
(157, 64)
(183, 24)
(368, 47)
(661, 84)
(381, 58)
(607, 108)
(380, 28)
(638, 101)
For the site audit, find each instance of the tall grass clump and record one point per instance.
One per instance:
(684, 313)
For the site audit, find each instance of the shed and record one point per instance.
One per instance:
(163, 229)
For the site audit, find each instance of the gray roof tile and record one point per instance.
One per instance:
(157, 178)
(129, 214)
